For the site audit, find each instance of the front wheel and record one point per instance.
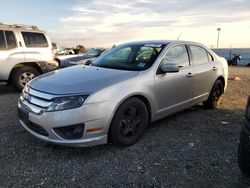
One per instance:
(129, 122)
(244, 153)
(22, 76)
(215, 95)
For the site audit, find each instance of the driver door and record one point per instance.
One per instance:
(173, 91)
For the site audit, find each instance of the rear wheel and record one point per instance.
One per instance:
(22, 76)
(235, 63)
(129, 122)
(215, 95)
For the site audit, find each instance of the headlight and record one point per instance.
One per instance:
(73, 62)
(78, 62)
(65, 103)
(81, 62)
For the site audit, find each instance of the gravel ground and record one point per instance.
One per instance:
(194, 148)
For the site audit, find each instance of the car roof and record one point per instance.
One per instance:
(164, 42)
(20, 28)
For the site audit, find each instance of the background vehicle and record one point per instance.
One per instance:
(121, 92)
(244, 145)
(25, 52)
(85, 59)
(66, 53)
(235, 60)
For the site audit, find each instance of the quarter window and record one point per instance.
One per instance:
(177, 55)
(199, 55)
(2, 41)
(10, 38)
(34, 39)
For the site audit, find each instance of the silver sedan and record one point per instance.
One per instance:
(120, 93)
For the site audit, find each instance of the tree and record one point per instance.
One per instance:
(81, 48)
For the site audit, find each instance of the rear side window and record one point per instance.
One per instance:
(177, 55)
(199, 55)
(11, 40)
(37, 40)
(2, 41)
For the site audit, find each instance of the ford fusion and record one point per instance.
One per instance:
(120, 93)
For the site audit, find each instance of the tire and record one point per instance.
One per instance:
(244, 154)
(21, 76)
(235, 63)
(129, 122)
(215, 95)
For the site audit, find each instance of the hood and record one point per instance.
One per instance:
(79, 79)
(78, 58)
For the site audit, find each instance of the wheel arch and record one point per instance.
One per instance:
(28, 64)
(140, 96)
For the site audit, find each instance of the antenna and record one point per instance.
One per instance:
(179, 36)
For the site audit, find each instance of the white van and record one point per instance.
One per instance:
(25, 52)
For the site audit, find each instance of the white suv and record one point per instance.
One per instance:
(25, 52)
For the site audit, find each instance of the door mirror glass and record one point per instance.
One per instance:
(169, 67)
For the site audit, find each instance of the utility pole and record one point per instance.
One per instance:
(218, 38)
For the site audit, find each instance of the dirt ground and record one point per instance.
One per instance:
(194, 148)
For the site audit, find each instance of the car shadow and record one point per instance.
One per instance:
(7, 89)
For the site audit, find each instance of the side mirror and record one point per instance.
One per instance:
(170, 67)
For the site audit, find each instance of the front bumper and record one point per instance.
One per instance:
(97, 140)
(65, 64)
(87, 115)
(48, 66)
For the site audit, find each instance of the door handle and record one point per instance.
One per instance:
(214, 68)
(189, 75)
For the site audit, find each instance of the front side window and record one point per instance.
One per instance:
(2, 41)
(177, 55)
(133, 57)
(11, 40)
(199, 55)
(210, 57)
(37, 40)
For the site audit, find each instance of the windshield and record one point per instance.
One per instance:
(134, 57)
(94, 52)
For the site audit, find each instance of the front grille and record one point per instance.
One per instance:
(37, 129)
(35, 101)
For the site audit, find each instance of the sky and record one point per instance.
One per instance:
(102, 23)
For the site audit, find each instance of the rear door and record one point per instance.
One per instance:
(3, 48)
(174, 90)
(37, 47)
(205, 72)
(10, 53)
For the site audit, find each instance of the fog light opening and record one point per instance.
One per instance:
(70, 132)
